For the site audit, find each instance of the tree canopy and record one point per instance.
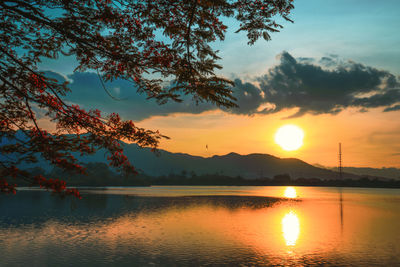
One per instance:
(145, 42)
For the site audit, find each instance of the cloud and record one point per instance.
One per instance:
(328, 61)
(393, 108)
(327, 87)
(314, 86)
(249, 97)
(306, 59)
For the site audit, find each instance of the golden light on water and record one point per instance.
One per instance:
(290, 192)
(289, 137)
(290, 228)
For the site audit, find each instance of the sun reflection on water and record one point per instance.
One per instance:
(290, 192)
(290, 228)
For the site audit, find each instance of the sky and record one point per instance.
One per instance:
(334, 72)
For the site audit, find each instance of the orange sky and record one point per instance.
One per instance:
(369, 139)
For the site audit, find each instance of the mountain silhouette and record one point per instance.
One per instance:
(251, 166)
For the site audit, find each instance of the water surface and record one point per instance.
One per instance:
(210, 225)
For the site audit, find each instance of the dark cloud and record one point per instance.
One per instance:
(393, 108)
(327, 85)
(315, 89)
(249, 97)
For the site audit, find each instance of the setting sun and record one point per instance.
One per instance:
(289, 137)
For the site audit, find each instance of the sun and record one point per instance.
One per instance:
(289, 137)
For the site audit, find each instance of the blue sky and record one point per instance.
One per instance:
(360, 30)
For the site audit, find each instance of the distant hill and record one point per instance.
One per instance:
(250, 166)
(392, 173)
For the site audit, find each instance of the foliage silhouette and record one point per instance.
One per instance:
(119, 39)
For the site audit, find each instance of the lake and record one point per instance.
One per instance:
(202, 225)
